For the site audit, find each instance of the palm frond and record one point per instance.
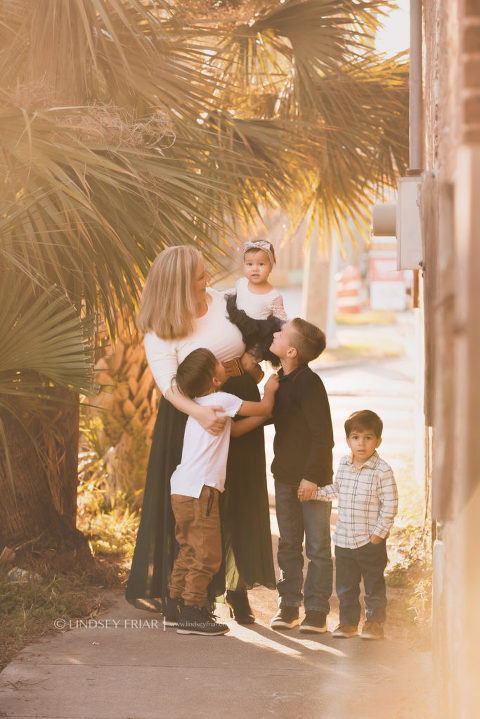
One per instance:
(65, 206)
(284, 107)
(297, 40)
(45, 342)
(77, 51)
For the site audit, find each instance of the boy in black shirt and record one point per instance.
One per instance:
(303, 459)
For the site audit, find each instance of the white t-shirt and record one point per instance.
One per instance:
(259, 307)
(214, 331)
(204, 456)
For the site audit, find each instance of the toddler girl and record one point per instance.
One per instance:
(256, 307)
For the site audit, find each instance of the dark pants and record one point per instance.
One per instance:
(297, 520)
(353, 565)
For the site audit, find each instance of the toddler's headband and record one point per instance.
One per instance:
(260, 245)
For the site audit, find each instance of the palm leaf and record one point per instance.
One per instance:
(46, 346)
(298, 39)
(65, 207)
(74, 51)
(44, 341)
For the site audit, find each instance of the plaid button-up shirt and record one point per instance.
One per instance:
(367, 501)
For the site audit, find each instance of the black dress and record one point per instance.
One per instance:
(244, 509)
(257, 334)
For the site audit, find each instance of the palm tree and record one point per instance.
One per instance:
(129, 125)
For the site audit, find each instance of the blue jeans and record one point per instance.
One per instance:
(296, 520)
(351, 565)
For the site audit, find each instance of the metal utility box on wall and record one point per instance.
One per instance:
(408, 230)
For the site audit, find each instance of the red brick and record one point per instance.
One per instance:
(471, 110)
(472, 8)
(471, 72)
(471, 38)
(471, 134)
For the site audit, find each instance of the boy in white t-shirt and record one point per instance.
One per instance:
(196, 485)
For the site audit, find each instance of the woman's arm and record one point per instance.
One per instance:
(163, 362)
(206, 416)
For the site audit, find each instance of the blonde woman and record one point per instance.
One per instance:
(179, 313)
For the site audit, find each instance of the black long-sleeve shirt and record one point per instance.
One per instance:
(303, 429)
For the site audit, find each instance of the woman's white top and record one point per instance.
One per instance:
(214, 331)
(259, 307)
(204, 455)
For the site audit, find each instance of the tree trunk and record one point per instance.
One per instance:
(319, 287)
(38, 508)
(316, 285)
(127, 406)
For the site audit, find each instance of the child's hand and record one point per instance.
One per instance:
(209, 420)
(375, 539)
(306, 490)
(248, 362)
(271, 385)
(251, 366)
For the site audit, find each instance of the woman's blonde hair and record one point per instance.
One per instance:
(168, 306)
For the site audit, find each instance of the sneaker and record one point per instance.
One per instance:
(172, 611)
(372, 630)
(345, 631)
(314, 622)
(285, 618)
(194, 620)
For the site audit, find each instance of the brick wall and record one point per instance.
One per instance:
(451, 222)
(470, 67)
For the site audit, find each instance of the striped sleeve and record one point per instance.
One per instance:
(328, 492)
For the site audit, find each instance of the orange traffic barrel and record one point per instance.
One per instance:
(348, 290)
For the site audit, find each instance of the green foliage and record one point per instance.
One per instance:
(110, 531)
(99, 466)
(45, 345)
(409, 572)
(43, 337)
(108, 503)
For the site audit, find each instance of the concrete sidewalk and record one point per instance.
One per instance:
(136, 670)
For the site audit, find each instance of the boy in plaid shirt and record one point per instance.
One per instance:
(367, 505)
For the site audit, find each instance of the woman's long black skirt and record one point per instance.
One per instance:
(244, 510)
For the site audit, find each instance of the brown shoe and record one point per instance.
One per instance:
(372, 630)
(345, 631)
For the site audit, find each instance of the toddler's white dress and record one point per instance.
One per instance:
(257, 317)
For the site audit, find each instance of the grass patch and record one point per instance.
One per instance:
(409, 572)
(363, 349)
(28, 610)
(368, 317)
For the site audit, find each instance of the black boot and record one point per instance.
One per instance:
(239, 605)
(171, 612)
